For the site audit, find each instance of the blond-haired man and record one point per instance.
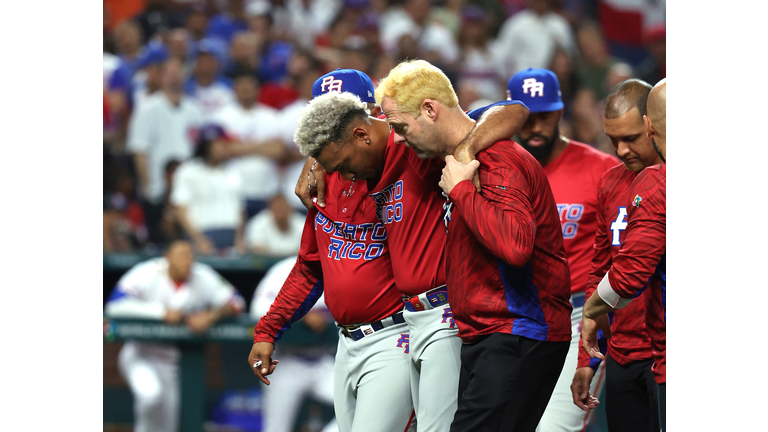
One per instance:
(506, 271)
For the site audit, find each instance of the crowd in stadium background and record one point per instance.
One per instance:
(254, 61)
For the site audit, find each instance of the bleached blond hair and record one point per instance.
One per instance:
(412, 81)
(326, 120)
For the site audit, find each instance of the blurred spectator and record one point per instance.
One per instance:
(175, 289)
(275, 231)
(286, 121)
(170, 225)
(281, 21)
(309, 18)
(305, 370)
(162, 129)
(178, 44)
(124, 228)
(207, 196)
(129, 44)
(593, 64)
(528, 38)
(207, 87)
(480, 66)
(587, 124)
(256, 126)
(469, 95)
(279, 94)
(449, 15)
(368, 28)
(196, 22)
(159, 17)
(562, 66)
(384, 64)
(330, 44)
(128, 41)
(243, 55)
(587, 109)
(259, 18)
(230, 21)
(435, 42)
(355, 58)
(148, 77)
(654, 68)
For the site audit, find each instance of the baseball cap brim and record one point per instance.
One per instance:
(548, 107)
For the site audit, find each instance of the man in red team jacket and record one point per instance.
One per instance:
(641, 262)
(630, 402)
(506, 270)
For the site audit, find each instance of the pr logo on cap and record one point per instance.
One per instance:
(330, 84)
(534, 86)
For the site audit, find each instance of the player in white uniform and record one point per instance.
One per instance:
(175, 289)
(304, 371)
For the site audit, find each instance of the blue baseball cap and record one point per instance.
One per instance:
(538, 89)
(345, 81)
(153, 53)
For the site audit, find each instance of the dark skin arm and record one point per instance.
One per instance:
(498, 123)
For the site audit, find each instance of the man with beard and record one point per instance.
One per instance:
(573, 170)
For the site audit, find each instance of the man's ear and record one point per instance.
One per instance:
(429, 109)
(648, 127)
(376, 111)
(360, 135)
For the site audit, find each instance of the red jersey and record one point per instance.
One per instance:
(505, 262)
(630, 341)
(409, 203)
(574, 178)
(642, 260)
(343, 252)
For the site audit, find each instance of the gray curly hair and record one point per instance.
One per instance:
(326, 120)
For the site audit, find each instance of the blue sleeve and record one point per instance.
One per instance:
(311, 299)
(475, 114)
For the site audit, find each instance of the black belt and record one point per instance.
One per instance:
(359, 331)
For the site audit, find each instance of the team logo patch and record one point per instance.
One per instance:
(403, 342)
(534, 86)
(448, 317)
(636, 201)
(330, 84)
